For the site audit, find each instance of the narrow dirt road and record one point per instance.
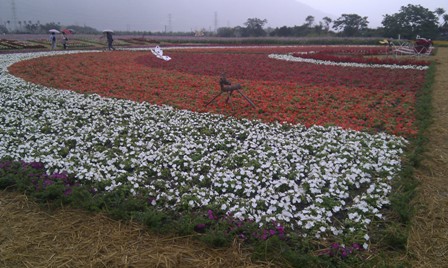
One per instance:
(428, 242)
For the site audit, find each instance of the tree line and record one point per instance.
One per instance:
(30, 27)
(408, 22)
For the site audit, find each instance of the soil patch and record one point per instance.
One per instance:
(428, 243)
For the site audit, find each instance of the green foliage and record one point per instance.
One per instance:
(216, 238)
(82, 198)
(7, 181)
(279, 251)
(410, 21)
(155, 220)
(254, 27)
(351, 24)
(396, 236)
(52, 192)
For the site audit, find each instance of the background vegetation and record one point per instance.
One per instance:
(408, 22)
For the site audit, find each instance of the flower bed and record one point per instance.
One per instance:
(362, 56)
(312, 181)
(14, 44)
(373, 99)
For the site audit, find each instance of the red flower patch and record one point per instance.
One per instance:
(372, 99)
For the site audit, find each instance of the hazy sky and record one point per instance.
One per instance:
(184, 15)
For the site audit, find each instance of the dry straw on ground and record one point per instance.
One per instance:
(34, 237)
(428, 242)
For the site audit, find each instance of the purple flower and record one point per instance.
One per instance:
(37, 165)
(47, 182)
(280, 229)
(357, 246)
(68, 192)
(200, 228)
(211, 216)
(62, 175)
(335, 246)
(5, 165)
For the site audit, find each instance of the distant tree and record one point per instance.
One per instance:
(439, 11)
(309, 21)
(301, 31)
(283, 31)
(82, 29)
(3, 29)
(48, 26)
(326, 23)
(254, 27)
(445, 20)
(351, 24)
(31, 27)
(225, 32)
(410, 21)
(443, 29)
(318, 28)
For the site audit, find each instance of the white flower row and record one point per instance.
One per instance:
(317, 180)
(289, 57)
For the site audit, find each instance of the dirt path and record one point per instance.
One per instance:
(428, 243)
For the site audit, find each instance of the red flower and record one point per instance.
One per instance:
(371, 99)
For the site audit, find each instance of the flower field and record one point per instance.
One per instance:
(315, 158)
(370, 99)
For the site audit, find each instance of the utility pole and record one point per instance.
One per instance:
(170, 23)
(216, 21)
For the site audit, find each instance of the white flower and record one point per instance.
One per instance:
(350, 64)
(365, 246)
(160, 141)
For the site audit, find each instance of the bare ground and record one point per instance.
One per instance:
(428, 242)
(34, 237)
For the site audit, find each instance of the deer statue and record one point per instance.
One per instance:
(226, 86)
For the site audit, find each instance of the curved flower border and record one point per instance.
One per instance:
(289, 57)
(318, 181)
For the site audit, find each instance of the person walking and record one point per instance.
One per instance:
(64, 40)
(110, 40)
(53, 40)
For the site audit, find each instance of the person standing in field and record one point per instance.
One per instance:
(110, 40)
(64, 40)
(53, 40)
